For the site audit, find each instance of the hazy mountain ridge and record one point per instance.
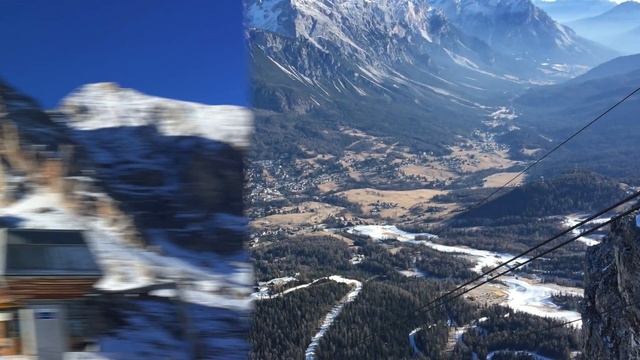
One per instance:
(570, 10)
(615, 28)
(559, 110)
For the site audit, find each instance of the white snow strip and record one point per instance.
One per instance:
(310, 353)
(482, 258)
(535, 356)
(261, 295)
(412, 341)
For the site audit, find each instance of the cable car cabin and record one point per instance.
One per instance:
(46, 279)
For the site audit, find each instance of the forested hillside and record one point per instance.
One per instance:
(574, 191)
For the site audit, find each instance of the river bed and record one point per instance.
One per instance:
(521, 294)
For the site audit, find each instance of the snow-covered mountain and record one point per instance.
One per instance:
(105, 105)
(161, 157)
(521, 29)
(156, 185)
(368, 61)
(364, 41)
(432, 66)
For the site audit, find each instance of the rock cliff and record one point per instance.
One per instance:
(611, 325)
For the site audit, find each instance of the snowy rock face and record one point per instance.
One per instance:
(375, 32)
(176, 166)
(347, 21)
(611, 325)
(519, 28)
(106, 105)
(156, 186)
(385, 49)
(431, 52)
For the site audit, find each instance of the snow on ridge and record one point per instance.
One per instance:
(263, 14)
(106, 105)
(342, 21)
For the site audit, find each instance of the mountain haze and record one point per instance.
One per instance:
(558, 110)
(570, 10)
(615, 28)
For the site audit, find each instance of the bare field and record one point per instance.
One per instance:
(328, 187)
(470, 161)
(330, 234)
(305, 214)
(428, 173)
(390, 204)
(492, 294)
(499, 179)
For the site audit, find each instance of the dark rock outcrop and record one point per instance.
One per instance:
(611, 325)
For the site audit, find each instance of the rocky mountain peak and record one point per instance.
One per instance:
(107, 105)
(346, 22)
(518, 28)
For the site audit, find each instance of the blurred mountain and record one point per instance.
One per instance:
(615, 28)
(156, 185)
(162, 157)
(569, 10)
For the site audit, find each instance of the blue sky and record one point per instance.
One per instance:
(190, 50)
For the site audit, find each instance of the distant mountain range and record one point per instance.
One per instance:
(629, 42)
(608, 147)
(571, 10)
(431, 66)
(618, 28)
(518, 28)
